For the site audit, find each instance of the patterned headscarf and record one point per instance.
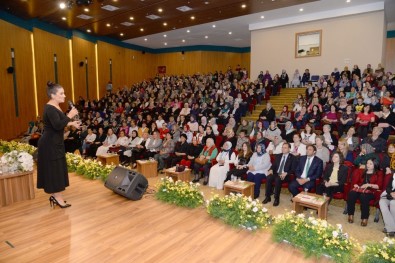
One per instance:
(263, 149)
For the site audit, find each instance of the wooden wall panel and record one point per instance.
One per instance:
(45, 46)
(117, 55)
(246, 61)
(390, 55)
(84, 49)
(178, 63)
(138, 66)
(20, 39)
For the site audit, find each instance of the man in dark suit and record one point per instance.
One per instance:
(283, 165)
(308, 169)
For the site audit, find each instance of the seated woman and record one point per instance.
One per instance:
(334, 177)
(284, 116)
(90, 138)
(110, 140)
(258, 139)
(272, 132)
(365, 119)
(387, 164)
(100, 138)
(72, 142)
(297, 147)
(258, 128)
(193, 124)
(386, 121)
(164, 153)
(367, 152)
(330, 140)
(365, 183)
(322, 152)
(288, 133)
(219, 170)
(387, 207)
(206, 156)
(314, 117)
(347, 120)
(342, 147)
(193, 151)
(308, 135)
(331, 116)
(275, 146)
(258, 167)
(241, 163)
(30, 131)
(352, 140)
(244, 126)
(301, 118)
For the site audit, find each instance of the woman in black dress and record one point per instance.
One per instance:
(52, 175)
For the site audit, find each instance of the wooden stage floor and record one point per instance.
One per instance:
(104, 227)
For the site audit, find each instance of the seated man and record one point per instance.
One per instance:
(308, 169)
(378, 143)
(283, 165)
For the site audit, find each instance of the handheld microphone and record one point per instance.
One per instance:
(71, 104)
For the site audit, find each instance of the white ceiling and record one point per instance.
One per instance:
(239, 26)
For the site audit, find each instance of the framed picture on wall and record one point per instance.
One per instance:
(308, 44)
(162, 69)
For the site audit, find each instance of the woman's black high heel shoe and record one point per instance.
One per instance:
(53, 202)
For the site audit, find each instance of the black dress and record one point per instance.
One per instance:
(52, 173)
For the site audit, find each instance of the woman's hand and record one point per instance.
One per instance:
(356, 186)
(73, 112)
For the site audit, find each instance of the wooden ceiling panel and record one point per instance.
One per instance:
(205, 11)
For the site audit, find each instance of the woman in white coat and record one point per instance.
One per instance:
(110, 140)
(218, 171)
(258, 166)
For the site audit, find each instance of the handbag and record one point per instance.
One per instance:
(186, 163)
(180, 168)
(362, 190)
(201, 161)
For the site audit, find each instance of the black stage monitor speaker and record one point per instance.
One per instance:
(127, 183)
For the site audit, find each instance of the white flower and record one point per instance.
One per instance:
(197, 184)
(264, 210)
(335, 234)
(207, 202)
(253, 203)
(314, 222)
(339, 226)
(255, 209)
(249, 228)
(164, 190)
(300, 215)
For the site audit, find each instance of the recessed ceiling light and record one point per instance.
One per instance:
(131, 18)
(165, 44)
(62, 5)
(164, 23)
(126, 23)
(262, 17)
(121, 34)
(230, 33)
(160, 10)
(183, 41)
(164, 35)
(88, 30)
(145, 39)
(153, 17)
(192, 17)
(110, 8)
(184, 8)
(141, 29)
(207, 2)
(243, 6)
(63, 18)
(301, 10)
(108, 24)
(214, 26)
(348, 1)
(188, 31)
(205, 36)
(86, 9)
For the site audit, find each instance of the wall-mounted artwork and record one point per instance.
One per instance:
(308, 44)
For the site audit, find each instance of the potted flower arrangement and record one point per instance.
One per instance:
(16, 161)
(6, 146)
(239, 211)
(179, 193)
(378, 252)
(91, 169)
(315, 237)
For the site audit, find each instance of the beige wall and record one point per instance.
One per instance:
(356, 39)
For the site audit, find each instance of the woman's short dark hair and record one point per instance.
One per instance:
(52, 88)
(341, 156)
